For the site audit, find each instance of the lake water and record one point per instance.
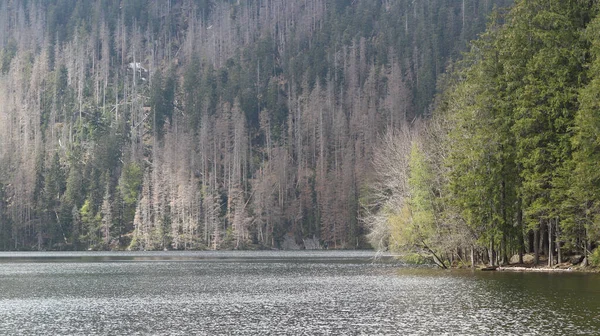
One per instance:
(282, 293)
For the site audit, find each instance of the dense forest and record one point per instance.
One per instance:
(508, 162)
(196, 124)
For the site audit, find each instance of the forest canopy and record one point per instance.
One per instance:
(508, 163)
(194, 124)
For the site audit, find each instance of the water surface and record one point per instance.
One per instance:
(282, 293)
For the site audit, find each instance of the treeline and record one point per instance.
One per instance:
(192, 124)
(508, 162)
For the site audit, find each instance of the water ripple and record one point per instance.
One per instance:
(287, 294)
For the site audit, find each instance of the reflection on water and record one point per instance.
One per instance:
(281, 293)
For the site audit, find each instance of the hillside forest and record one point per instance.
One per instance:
(508, 162)
(210, 124)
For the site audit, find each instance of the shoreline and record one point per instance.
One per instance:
(563, 268)
(572, 264)
(534, 269)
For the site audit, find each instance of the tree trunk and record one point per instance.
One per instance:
(558, 252)
(472, 257)
(521, 252)
(485, 256)
(520, 235)
(530, 241)
(536, 246)
(550, 252)
(491, 253)
(586, 245)
(542, 236)
(436, 259)
(503, 250)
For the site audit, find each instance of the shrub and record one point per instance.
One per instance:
(595, 257)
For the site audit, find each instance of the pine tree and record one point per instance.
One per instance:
(581, 225)
(546, 105)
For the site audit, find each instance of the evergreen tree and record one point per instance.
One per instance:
(53, 189)
(582, 223)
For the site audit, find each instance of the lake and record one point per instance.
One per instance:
(282, 293)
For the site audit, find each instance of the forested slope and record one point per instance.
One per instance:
(509, 162)
(151, 124)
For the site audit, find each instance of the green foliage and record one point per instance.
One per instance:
(119, 227)
(162, 99)
(74, 194)
(595, 257)
(521, 122)
(584, 208)
(422, 200)
(130, 186)
(402, 237)
(131, 182)
(546, 107)
(54, 183)
(415, 226)
(90, 225)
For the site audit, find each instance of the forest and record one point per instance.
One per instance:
(217, 124)
(507, 164)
